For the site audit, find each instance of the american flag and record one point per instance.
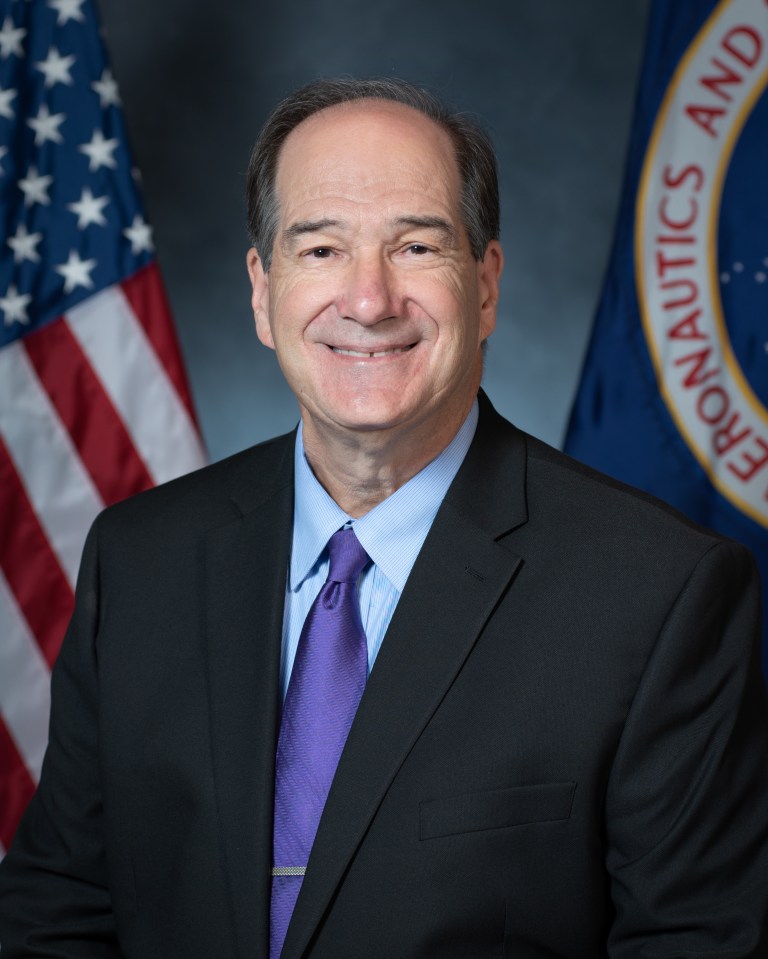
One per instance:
(94, 403)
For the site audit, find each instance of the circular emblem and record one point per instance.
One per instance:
(701, 252)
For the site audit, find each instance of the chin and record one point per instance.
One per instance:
(368, 423)
(369, 416)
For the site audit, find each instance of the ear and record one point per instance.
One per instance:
(489, 273)
(260, 297)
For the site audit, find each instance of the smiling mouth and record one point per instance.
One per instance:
(377, 353)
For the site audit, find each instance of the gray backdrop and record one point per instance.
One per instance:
(553, 80)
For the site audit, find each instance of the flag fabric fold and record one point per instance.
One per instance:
(94, 401)
(674, 392)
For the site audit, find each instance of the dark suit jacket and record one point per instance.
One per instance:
(561, 750)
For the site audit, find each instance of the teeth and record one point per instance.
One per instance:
(399, 349)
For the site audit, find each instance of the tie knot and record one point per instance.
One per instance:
(348, 558)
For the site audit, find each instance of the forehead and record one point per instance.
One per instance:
(367, 149)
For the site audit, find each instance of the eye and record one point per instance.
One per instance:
(320, 253)
(418, 249)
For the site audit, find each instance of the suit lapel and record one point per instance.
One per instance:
(246, 564)
(459, 577)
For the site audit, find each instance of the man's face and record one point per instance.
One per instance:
(373, 301)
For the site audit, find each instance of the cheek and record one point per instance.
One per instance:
(455, 306)
(297, 305)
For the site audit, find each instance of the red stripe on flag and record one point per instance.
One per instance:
(30, 566)
(16, 786)
(99, 434)
(146, 294)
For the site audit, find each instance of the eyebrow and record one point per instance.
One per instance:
(430, 223)
(302, 227)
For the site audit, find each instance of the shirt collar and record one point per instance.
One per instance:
(393, 532)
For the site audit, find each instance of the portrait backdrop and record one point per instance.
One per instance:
(553, 82)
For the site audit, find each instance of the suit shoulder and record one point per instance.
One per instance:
(209, 496)
(636, 550)
(593, 500)
(560, 504)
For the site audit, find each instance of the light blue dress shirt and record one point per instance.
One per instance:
(392, 534)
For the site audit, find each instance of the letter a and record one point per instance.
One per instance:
(687, 329)
(704, 117)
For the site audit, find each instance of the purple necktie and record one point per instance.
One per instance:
(326, 684)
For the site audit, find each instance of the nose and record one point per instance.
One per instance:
(369, 294)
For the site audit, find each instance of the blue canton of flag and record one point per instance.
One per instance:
(94, 403)
(674, 392)
(69, 205)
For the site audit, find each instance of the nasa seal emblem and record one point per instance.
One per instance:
(681, 282)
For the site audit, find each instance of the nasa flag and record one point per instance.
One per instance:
(674, 391)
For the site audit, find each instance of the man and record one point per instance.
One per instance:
(560, 749)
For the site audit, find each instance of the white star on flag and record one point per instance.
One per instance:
(89, 209)
(35, 188)
(76, 272)
(67, 10)
(46, 125)
(10, 39)
(107, 90)
(14, 305)
(56, 68)
(99, 151)
(24, 245)
(5, 103)
(140, 235)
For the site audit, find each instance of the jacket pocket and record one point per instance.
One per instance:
(495, 809)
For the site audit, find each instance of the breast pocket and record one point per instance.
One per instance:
(495, 809)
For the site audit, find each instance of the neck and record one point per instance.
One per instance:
(359, 469)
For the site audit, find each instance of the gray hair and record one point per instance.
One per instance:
(475, 155)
